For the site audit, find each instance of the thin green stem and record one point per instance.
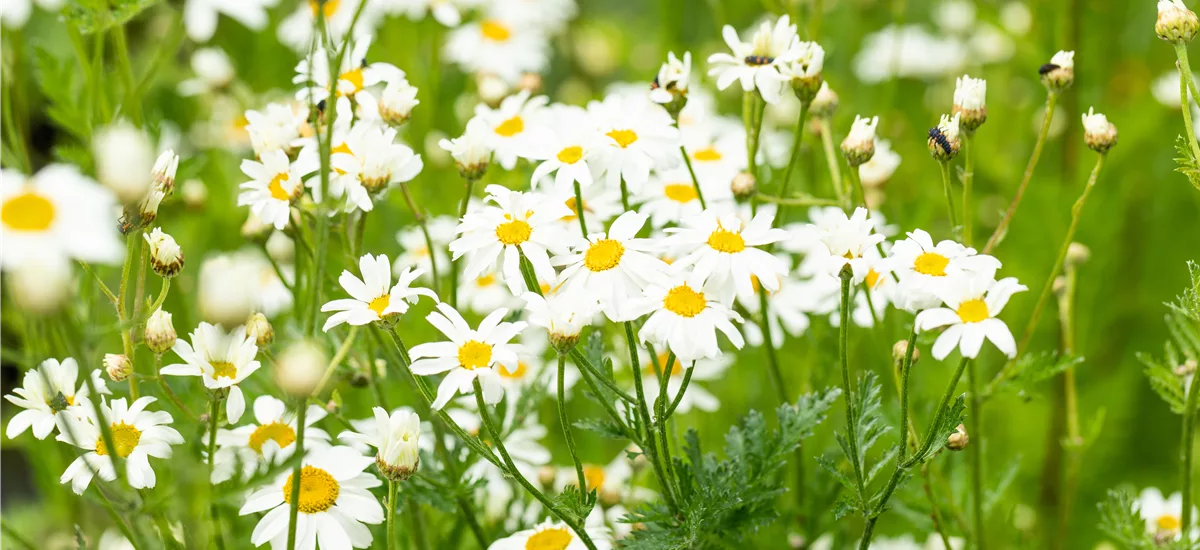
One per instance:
(294, 506)
(214, 414)
(797, 140)
(1187, 444)
(624, 195)
(419, 216)
(579, 210)
(391, 516)
(644, 413)
(683, 386)
(976, 452)
(847, 389)
(948, 189)
(131, 104)
(802, 200)
(968, 183)
(660, 418)
(566, 426)
(769, 345)
(1186, 83)
(835, 168)
(587, 365)
(905, 368)
(687, 161)
(1051, 103)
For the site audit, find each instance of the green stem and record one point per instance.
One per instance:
(802, 200)
(1187, 445)
(947, 188)
(624, 195)
(131, 104)
(644, 413)
(848, 390)
(294, 506)
(835, 168)
(687, 161)
(976, 452)
(214, 413)
(968, 184)
(419, 216)
(797, 140)
(687, 380)
(1186, 82)
(566, 426)
(391, 516)
(1051, 102)
(587, 365)
(579, 210)
(904, 373)
(768, 344)
(660, 418)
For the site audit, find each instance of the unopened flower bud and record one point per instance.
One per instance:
(670, 86)
(530, 82)
(1188, 368)
(259, 328)
(1059, 73)
(117, 366)
(1059, 286)
(1099, 134)
(959, 439)
(743, 186)
(399, 454)
(805, 72)
(491, 89)
(547, 475)
(470, 151)
(1176, 23)
(300, 368)
(608, 497)
(160, 333)
(332, 407)
(859, 145)
(824, 103)
(900, 351)
(397, 102)
(944, 141)
(970, 102)
(165, 255)
(1077, 253)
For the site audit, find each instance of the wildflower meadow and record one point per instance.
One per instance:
(589, 275)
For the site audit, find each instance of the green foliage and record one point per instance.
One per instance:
(1119, 518)
(575, 506)
(954, 415)
(1183, 346)
(1188, 164)
(91, 17)
(725, 500)
(60, 82)
(1034, 368)
(601, 426)
(869, 426)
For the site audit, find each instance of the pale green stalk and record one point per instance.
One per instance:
(949, 192)
(214, 413)
(294, 505)
(968, 185)
(695, 181)
(835, 168)
(1051, 103)
(566, 426)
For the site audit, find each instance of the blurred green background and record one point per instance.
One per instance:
(1140, 222)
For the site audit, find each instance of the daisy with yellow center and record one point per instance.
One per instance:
(265, 442)
(373, 160)
(969, 313)
(669, 197)
(514, 224)
(359, 83)
(724, 251)
(635, 136)
(847, 240)
(470, 354)
(46, 390)
(518, 127)
(613, 268)
(718, 152)
(685, 319)
(137, 435)
(374, 298)
(504, 44)
(274, 184)
(222, 360)
(554, 535)
(58, 212)
(1163, 514)
(755, 64)
(334, 502)
(923, 267)
(415, 251)
(566, 148)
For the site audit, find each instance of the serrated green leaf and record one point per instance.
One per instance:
(954, 415)
(98, 18)
(1165, 382)
(602, 427)
(1120, 519)
(1188, 165)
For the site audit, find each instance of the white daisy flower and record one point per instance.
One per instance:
(363, 428)
(518, 223)
(847, 238)
(355, 80)
(517, 126)
(57, 211)
(724, 254)
(278, 126)
(639, 136)
(137, 435)
(374, 297)
(566, 148)
(267, 441)
(296, 30)
(614, 267)
(788, 314)
(924, 267)
(275, 183)
(499, 44)
(554, 534)
(672, 78)
(221, 360)
(396, 439)
(446, 12)
(696, 396)
(472, 151)
(45, 391)
(200, 16)
(485, 293)
(334, 502)
(1163, 515)
(470, 354)
(717, 153)
(374, 160)
(415, 251)
(563, 314)
(970, 315)
(600, 205)
(755, 63)
(15, 14)
(684, 319)
(670, 197)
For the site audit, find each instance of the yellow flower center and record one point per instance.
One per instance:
(663, 359)
(624, 138)
(973, 310)
(27, 211)
(341, 148)
(555, 538)
(931, 263)
(681, 193)
(475, 355)
(125, 438)
(684, 301)
(872, 278)
(570, 155)
(511, 127)
(379, 304)
(603, 255)
(495, 31)
(593, 476)
(724, 240)
(223, 368)
(329, 8)
(517, 373)
(318, 490)
(485, 281)
(278, 432)
(276, 187)
(707, 154)
(514, 232)
(1168, 523)
(574, 210)
(355, 77)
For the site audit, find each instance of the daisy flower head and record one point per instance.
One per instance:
(1163, 515)
(1099, 134)
(517, 125)
(515, 224)
(446, 12)
(396, 439)
(717, 150)
(267, 441)
(685, 319)
(416, 252)
(566, 148)
(613, 267)
(472, 151)
(1176, 23)
(970, 102)
(563, 314)
(355, 79)
(638, 135)
(334, 502)
(59, 212)
(46, 391)
(397, 102)
(556, 535)
(485, 293)
(297, 30)
(670, 86)
(137, 435)
(859, 145)
(374, 298)
(670, 196)
(944, 142)
(499, 44)
(373, 158)
(1059, 73)
(804, 73)
(600, 206)
(278, 126)
(847, 238)
(971, 307)
(275, 183)
(200, 16)
(222, 360)
(924, 267)
(470, 354)
(756, 63)
(724, 251)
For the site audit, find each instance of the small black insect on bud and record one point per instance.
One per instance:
(936, 135)
(321, 106)
(1046, 69)
(759, 60)
(363, 63)
(654, 85)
